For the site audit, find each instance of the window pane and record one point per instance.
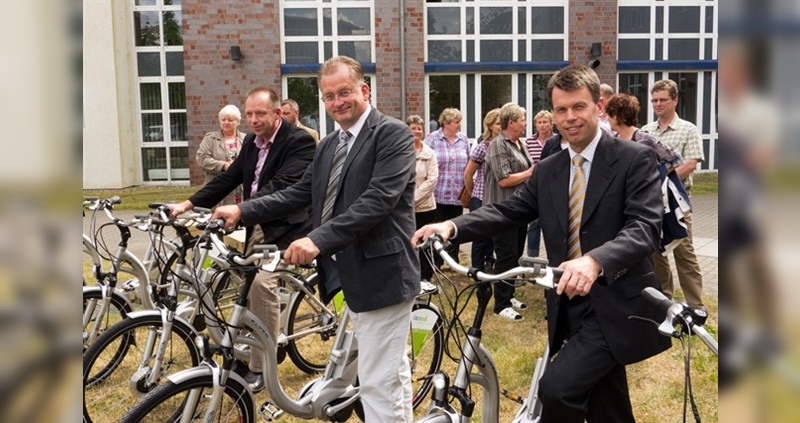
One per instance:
(547, 20)
(150, 94)
(154, 162)
(496, 51)
(636, 85)
(659, 49)
(540, 100)
(470, 50)
(149, 64)
(300, 21)
(177, 95)
(709, 19)
(684, 49)
(445, 91)
(545, 50)
(327, 21)
(174, 63)
(177, 126)
(495, 92)
(522, 20)
(470, 20)
(303, 52)
(659, 19)
(145, 2)
(444, 51)
(359, 50)
(172, 2)
(522, 51)
(353, 21)
(306, 93)
(173, 35)
(179, 163)
(634, 20)
(445, 20)
(145, 26)
(496, 20)
(152, 127)
(634, 50)
(684, 19)
(709, 49)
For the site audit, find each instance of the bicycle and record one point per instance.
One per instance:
(333, 396)
(105, 303)
(681, 322)
(474, 353)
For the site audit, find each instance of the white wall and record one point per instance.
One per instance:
(111, 157)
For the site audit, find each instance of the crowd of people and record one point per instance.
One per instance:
(587, 182)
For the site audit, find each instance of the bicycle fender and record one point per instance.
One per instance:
(118, 292)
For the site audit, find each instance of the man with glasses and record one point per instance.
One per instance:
(683, 137)
(361, 191)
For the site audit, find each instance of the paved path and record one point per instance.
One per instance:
(706, 239)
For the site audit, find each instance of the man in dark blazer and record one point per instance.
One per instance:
(363, 245)
(618, 229)
(274, 156)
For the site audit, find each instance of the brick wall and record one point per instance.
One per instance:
(212, 78)
(415, 58)
(594, 21)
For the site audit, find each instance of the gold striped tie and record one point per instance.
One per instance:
(576, 195)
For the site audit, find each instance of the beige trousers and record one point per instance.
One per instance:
(688, 267)
(263, 301)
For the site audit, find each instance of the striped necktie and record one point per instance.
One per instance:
(336, 173)
(577, 193)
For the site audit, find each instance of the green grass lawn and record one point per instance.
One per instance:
(137, 198)
(706, 183)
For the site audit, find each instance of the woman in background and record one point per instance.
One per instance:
(427, 175)
(219, 148)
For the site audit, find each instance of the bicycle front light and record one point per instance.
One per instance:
(201, 342)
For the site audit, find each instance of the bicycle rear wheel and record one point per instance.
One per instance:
(171, 402)
(426, 350)
(310, 352)
(112, 360)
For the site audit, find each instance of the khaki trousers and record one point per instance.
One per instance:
(688, 267)
(262, 300)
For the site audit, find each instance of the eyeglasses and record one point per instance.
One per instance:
(343, 95)
(660, 100)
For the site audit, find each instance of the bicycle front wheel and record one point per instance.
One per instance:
(426, 350)
(95, 322)
(128, 347)
(189, 400)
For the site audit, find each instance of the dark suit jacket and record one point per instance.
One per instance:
(289, 156)
(551, 146)
(373, 217)
(620, 228)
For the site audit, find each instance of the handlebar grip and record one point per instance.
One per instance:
(115, 200)
(657, 298)
(201, 210)
(157, 204)
(526, 261)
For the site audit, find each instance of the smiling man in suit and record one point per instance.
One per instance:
(361, 191)
(274, 156)
(600, 216)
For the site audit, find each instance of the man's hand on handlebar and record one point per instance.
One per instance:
(230, 214)
(178, 209)
(444, 229)
(579, 275)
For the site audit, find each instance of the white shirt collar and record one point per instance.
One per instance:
(356, 128)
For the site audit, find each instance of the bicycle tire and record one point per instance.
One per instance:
(117, 311)
(113, 358)
(167, 401)
(309, 353)
(426, 354)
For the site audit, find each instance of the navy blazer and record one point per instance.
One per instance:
(373, 216)
(289, 156)
(620, 228)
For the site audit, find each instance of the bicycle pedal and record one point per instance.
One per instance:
(269, 411)
(513, 397)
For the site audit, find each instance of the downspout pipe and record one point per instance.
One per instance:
(403, 58)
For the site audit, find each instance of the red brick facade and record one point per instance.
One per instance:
(594, 22)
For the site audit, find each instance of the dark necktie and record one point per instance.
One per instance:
(336, 173)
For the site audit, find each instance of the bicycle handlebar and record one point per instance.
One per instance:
(690, 319)
(544, 275)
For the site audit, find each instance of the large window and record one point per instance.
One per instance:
(496, 31)
(161, 91)
(314, 31)
(659, 30)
